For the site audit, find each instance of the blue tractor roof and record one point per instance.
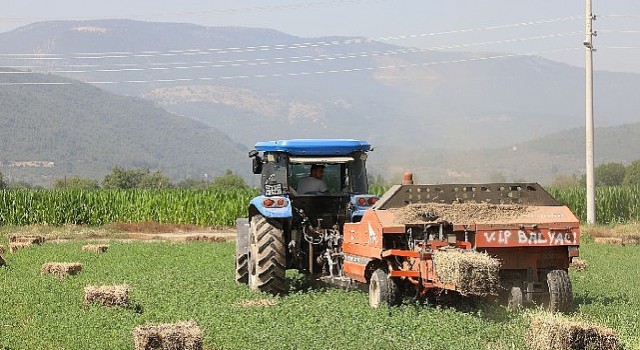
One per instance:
(314, 147)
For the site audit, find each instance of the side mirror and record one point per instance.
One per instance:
(256, 165)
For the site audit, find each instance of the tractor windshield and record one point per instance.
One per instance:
(341, 174)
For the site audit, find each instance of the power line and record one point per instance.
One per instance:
(286, 60)
(292, 74)
(189, 52)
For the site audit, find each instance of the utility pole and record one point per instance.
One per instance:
(588, 43)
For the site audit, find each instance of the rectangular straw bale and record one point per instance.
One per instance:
(60, 270)
(33, 239)
(554, 332)
(115, 295)
(472, 273)
(95, 248)
(15, 246)
(184, 335)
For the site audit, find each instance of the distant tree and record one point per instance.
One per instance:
(75, 182)
(135, 178)
(565, 180)
(193, 184)
(609, 174)
(14, 185)
(632, 174)
(229, 180)
(497, 176)
(124, 179)
(2, 183)
(154, 180)
(376, 180)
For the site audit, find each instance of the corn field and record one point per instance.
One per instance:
(614, 205)
(98, 207)
(223, 207)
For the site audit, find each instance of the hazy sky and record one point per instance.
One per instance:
(550, 28)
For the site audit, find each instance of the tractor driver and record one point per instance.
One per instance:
(313, 183)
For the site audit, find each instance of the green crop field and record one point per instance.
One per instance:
(218, 207)
(173, 282)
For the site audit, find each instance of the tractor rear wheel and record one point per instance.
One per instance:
(267, 261)
(242, 268)
(383, 290)
(560, 293)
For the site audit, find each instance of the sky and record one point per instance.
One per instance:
(554, 29)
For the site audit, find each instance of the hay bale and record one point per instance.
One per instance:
(95, 248)
(116, 295)
(579, 264)
(175, 336)
(33, 239)
(458, 213)
(60, 270)
(15, 246)
(556, 332)
(472, 273)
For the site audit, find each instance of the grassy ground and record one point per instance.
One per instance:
(171, 282)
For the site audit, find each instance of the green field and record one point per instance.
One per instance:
(172, 282)
(217, 207)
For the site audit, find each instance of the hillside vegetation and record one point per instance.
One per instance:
(75, 129)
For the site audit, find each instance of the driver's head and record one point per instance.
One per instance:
(317, 171)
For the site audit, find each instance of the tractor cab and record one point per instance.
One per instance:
(284, 164)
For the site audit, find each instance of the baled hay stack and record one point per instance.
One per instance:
(579, 264)
(555, 332)
(173, 336)
(60, 270)
(473, 273)
(117, 295)
(33, 239)
(15, 246)
(96, 248)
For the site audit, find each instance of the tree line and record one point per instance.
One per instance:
(136, 178)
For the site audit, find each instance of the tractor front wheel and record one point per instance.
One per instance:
(383, 290)
(267, 260)
(560, 293)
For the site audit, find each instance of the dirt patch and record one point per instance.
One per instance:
(458, 213)
(620, 234)
(153, 227)
(142, 232)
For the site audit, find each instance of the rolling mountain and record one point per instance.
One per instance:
(445, 115)
(69, 128)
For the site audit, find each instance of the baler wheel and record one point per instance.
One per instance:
(560, 293)
(267, 261)
(242, 268)
(383, 290)
(514, 299)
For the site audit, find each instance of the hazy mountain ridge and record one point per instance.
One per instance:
(85, 131)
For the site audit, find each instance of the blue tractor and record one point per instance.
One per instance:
(286, 229)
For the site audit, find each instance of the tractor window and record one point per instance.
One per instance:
(332, 175)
